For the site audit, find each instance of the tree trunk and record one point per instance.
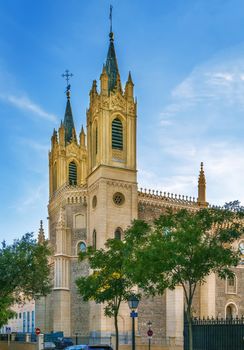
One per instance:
(189, 320)
(116, 331)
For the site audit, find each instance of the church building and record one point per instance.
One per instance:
(93, 196)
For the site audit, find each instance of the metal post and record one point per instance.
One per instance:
(76, 338)
(133, 334)
(149, 343)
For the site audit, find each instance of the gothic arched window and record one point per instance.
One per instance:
(82, 247)
(54, 177)
(118, 233)
(96, 140)
(72, 173)
(117, 134)
(94, 239)
(231, 285)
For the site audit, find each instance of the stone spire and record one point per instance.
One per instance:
(129, 87)
(41, 234)
(202, 188)
(111, 62)
(68, 119)
(82, 137)
(104, 82)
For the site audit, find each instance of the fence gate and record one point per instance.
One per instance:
(216, 334)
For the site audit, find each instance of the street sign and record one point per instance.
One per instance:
(133, 314)
(8, 330)
(38, 331)
(150, 333)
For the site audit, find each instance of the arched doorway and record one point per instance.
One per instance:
(231, 311)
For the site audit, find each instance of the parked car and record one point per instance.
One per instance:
(100, 347)
(89, 347)
(63, 343)
(49, 345)
(77, 347)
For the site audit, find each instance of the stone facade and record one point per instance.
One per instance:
(93, 193)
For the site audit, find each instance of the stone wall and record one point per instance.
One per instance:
(79, 309)
(152, 309)
(223, 298)
(17, 346)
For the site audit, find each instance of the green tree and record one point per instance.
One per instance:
(109, 283)
(24, 272)
(183, 248)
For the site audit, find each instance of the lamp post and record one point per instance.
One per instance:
(133, 302)
(76, 338)
(149, 334)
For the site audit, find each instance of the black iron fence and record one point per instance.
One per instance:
(216, 334)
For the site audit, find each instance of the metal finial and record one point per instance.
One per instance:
(111, 18)
(67, 77)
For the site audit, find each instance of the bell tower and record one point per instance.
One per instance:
(112, 173)
(67, 219)
(111, 147)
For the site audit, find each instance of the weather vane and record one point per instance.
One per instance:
(67, 77)
(110, 18)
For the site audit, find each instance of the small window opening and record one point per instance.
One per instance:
(82, 247)
(117, 234)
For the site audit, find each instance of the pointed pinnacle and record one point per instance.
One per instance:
(129, 78)
(201, 178)
(41, 234)
(104, 69)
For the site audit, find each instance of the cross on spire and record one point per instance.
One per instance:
(67, 77)
(111, 18)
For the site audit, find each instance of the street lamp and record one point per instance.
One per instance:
(133, 302)
(149, 334)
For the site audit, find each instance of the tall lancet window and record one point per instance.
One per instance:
(117, 134)
(94, 240)
(96, 140)
(72, 173)
(54, 177)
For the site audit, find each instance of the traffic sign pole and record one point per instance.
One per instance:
(38, 331)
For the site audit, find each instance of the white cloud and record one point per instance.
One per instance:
(34, 145)
(165, 122)
(34, 195)
(212, 83)
(26, 104)
(206, 113)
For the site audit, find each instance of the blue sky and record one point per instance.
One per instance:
(187, 63)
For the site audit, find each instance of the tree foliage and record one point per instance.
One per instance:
(184, 247)
(24, 273)
(109, 282)
(234, 206)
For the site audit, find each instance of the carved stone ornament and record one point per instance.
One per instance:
(117, 102)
